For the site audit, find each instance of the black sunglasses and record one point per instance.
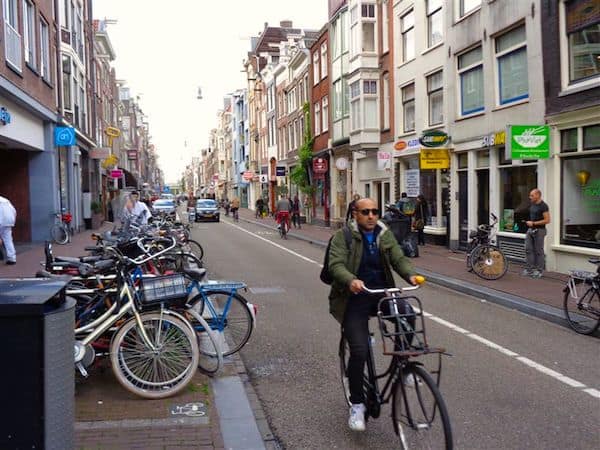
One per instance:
(365, 212)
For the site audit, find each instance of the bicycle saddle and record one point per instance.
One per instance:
(195, 274)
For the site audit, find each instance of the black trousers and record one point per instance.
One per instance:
(355, 329)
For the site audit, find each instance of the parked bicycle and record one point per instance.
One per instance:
(419, 413)
(582, 299)
(60, 231)
(484, 257)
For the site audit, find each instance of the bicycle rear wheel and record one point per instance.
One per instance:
(419, 413)
(155, 373)
(195, 248)
(488, 262)
(583, 314)
(228, 315)
(59, 234)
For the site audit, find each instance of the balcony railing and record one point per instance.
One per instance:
(13, 48)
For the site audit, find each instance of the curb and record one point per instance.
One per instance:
(521, 304)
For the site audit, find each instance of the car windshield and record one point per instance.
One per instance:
(206, 204)
(164, 203)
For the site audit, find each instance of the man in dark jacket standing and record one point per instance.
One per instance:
(539, 217)
(368, 262)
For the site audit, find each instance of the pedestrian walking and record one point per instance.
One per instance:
(259, 205)
(296, 212)
(420, 218)
(8, 218)
(137, 209)
(352, 207)
(539, 217)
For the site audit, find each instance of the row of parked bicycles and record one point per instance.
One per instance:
(144, 303)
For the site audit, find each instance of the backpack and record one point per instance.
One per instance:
(325, 276)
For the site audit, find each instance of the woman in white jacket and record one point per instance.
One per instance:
(8, 217)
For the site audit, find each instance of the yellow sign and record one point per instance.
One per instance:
(112, 132)
(435, 158)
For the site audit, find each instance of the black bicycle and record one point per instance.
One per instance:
(419, 412)
(582, 299)
(483, 257)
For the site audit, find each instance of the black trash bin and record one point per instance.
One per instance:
(37, 357)
(400, 225)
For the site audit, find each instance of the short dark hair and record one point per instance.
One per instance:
(135, 193)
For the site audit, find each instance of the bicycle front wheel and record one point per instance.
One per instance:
(195, 248)
(228, 315)
(488, 262)
(159, 372)
(583, 314)
(420, 415)
(59, 234)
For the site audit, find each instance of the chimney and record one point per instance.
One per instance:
(286, 24)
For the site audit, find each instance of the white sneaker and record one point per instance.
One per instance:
(356, 421)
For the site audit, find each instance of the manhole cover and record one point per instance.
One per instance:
(189, 409)
(267, 290)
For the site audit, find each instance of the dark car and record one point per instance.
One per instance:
(207, 209)
(164, 206)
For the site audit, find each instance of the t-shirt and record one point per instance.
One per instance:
(536, 212)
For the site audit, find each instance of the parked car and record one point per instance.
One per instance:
(164, 206)
(207, 209)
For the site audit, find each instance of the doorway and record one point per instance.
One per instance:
(483, 196)
(463, 210)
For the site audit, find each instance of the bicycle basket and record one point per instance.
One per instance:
(402, 327)
(160, 289)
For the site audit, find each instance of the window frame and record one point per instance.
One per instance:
(408, 31)
(408, 102)
(325, 114)
(45, 64)
(462, 12)
(29, 34)
(467, 69)
(323, 62)
(430, 15)
(385, 26)
(385, 101)
(317, 109)
(431, 92)
(500, 55)
(316, 68)
(67, 83)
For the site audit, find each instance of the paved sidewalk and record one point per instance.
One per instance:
(539, 297)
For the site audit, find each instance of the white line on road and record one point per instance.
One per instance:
(528, 362)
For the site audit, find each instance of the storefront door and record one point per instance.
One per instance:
(463, 210)
(483, 196)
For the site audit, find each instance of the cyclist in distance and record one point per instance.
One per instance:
(369, 261)
(282, 211)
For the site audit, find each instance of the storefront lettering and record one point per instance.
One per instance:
(4, 116)
(494, 139)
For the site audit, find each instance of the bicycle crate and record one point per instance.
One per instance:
(402, 326)
(163, 288)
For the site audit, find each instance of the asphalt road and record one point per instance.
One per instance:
(513, 382)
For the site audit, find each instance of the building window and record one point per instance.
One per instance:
(45, 50)
(66, 82)
(591, 138)
(470, 70)
(323, 60)
(408, 36)
(408, 107)
(355, 105)
(29, 32)
(583, 33)
(317, 118)
(435, 95)
(337, 100)
(435, 29)
(568, 140)
(325, 113)
(511, 54)
(385, 26)
(386, 100)
(316, 74)
(370, 87)
(466, 6)
(368, 10)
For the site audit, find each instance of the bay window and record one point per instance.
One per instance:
(355, 106)
(370, 104)
(511, 56)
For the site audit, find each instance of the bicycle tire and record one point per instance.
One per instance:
(488, 262)
(195, 248)
(184, 259)
(168, 370)
(235, 331)
(413, 422)
(211, 357)
(59, 234)
(583, 315)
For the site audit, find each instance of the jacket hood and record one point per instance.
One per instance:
(353, 225)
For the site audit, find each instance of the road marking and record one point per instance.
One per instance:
(528, 362)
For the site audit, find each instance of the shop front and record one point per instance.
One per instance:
(321, 197)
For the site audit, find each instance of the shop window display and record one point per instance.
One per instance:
(516, 183)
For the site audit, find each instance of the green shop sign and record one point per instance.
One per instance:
(434, 138)
(527, 141)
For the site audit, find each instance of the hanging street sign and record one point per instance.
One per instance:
(384, 160)
(527, 141)
(438, 158)
(280, 171)
(99, 153)
(248, 175)
(434, 138)
(64, 136)
(116, 173)
(320, 165)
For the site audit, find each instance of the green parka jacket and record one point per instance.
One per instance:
(344, 264)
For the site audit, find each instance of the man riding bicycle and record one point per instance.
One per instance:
(282, 211)
(369, 261)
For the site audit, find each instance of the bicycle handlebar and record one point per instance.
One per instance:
(390, 290)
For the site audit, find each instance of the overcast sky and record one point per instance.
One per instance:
(166, 50)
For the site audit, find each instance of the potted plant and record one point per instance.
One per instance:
(97, 216)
